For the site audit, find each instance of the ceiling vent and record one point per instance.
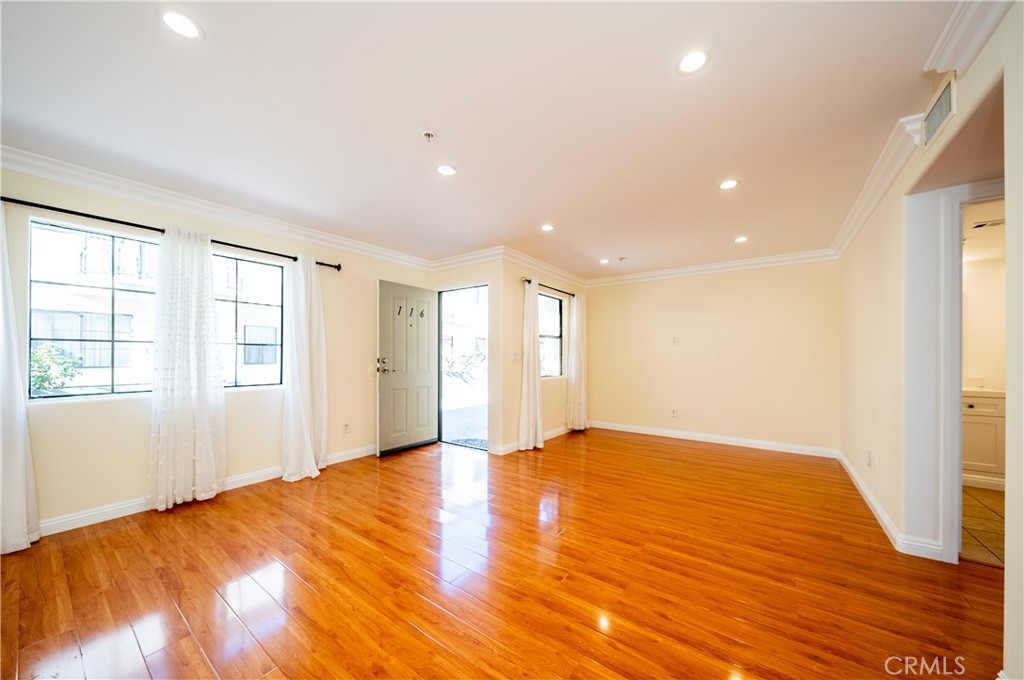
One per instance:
(990, 223)
(941, 110)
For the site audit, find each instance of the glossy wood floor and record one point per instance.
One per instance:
(605, 555)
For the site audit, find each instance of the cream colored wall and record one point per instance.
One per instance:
(92, 451)
(757, 354)
(984, 326)
(872, 359)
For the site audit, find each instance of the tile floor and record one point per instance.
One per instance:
(982, 535)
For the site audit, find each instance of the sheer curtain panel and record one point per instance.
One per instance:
(305, 374)
(20, 523)
(576, 371)
(531, 427)
(187, 456)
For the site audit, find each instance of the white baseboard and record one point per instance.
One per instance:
(1002, 676)
(980, 480)
(505, 449)
(254, 477)
(803, 449)
(84, 518)
(75, 520)
(909, 545)
(351, 454)
(557, 432)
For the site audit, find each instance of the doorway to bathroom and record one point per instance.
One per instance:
(464, 357)
(984, 382)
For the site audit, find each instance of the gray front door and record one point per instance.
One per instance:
(407, 377)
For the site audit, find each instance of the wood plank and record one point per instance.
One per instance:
(183, 659)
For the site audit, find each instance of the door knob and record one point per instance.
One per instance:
(383, 369)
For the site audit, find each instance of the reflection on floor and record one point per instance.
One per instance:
(982, 535)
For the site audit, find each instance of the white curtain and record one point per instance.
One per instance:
(531, 427)
(20, 524)
(576, 371)
(187, 455)
(305, 374)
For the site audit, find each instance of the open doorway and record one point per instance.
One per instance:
(984, 382)
(464, 400)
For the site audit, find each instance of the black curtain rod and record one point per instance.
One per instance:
(563, 292)
(136, 225)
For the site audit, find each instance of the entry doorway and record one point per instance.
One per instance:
(464, 360)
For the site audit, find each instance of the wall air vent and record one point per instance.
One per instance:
(942, 108)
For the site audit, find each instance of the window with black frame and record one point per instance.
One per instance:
(92, 314)
(550, 311)
(249, 320)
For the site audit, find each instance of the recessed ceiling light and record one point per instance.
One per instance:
(728, 184)
(447, 170)
(740, 239)
(547, 227)
(693, 61)
(181, 24)
(604, 260)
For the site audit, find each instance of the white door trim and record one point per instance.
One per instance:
(937, 424)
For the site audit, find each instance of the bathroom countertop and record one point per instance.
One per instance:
(993, 394)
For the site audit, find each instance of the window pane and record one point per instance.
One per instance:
(135, 315)
(70, 256)
(550, 357)
(259, 373)
(258, 315)
(227, 363)
(223, 277)
(63, 368)
(259, 283)
(135, 264)
(550, 315)
(133, 371)
(71, 312)
(225, 321)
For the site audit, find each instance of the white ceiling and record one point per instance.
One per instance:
(565, 113)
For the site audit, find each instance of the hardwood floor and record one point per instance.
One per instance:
(604, 555)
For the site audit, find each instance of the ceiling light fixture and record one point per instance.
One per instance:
(446, 170)
(740, 239)
(693, 61)
(728, 184)
(604, 260)
(181, 24)
(547, 227)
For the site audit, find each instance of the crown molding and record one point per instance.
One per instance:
(541, 267)
(787, 259)
(895, 154)
(47, 168)
(476, 257)
(969, 27)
